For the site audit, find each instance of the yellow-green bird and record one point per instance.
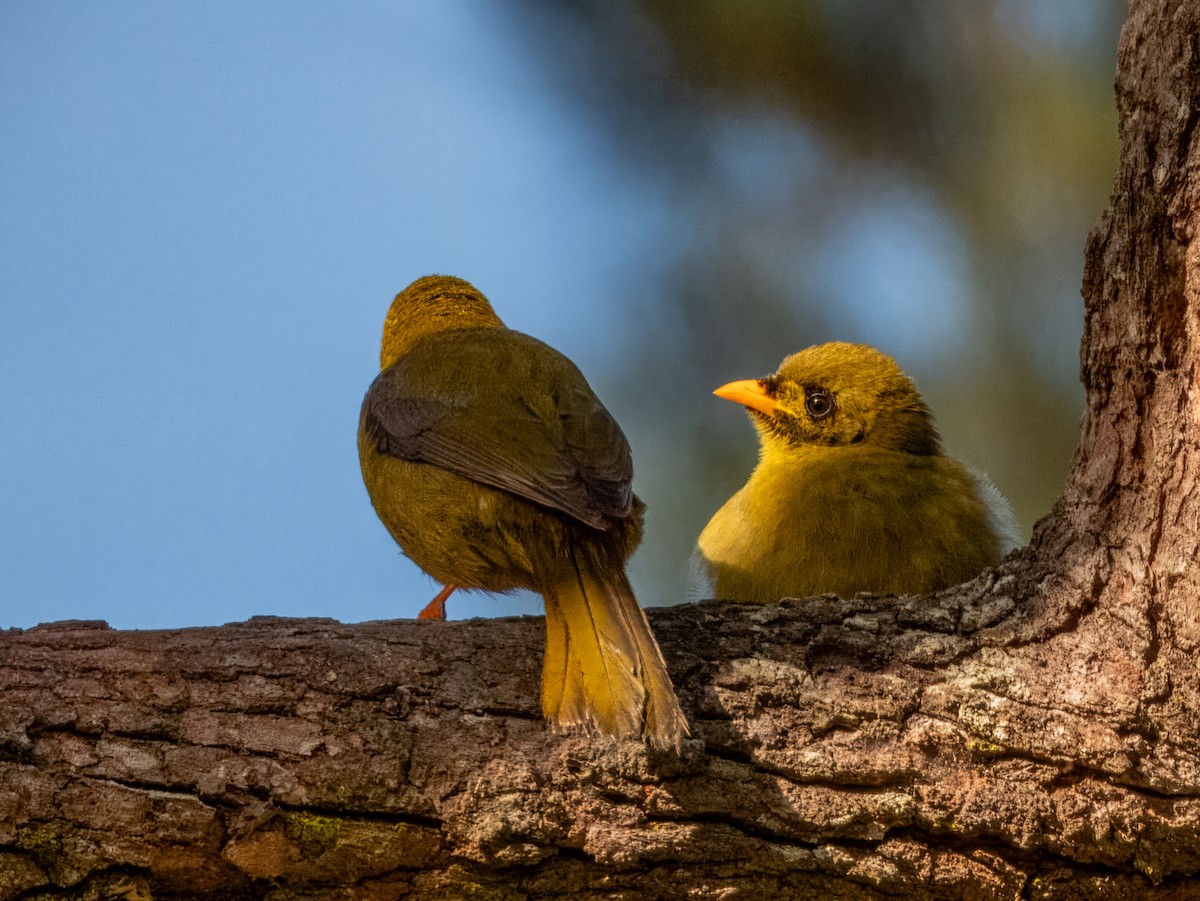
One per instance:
(494, 466)
(852, 491)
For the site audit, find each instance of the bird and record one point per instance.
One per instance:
(852, 491)
(494, 466)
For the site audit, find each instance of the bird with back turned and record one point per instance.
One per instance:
(852, 492)
(494, 466)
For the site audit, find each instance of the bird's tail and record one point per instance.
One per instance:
(603, 669)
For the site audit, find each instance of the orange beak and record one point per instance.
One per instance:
(750, 393)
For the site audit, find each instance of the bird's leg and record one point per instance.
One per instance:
(436, 609)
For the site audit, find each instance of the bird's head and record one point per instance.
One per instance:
(431, 304)
(836, 395)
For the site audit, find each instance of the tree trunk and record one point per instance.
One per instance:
(1034, 734)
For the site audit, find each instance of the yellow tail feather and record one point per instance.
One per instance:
(603, 669)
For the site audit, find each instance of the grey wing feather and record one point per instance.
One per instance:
(566, 453)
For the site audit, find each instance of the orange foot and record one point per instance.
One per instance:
(436, 609)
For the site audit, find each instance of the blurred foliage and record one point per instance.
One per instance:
(916, 174)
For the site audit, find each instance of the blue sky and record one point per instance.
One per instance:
(205, 210)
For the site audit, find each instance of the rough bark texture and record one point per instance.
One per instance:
(1035, 734)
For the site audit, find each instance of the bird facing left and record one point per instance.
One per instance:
(494, 466)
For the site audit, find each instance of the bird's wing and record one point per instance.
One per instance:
(506, 410)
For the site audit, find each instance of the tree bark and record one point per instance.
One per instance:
(1033, 734)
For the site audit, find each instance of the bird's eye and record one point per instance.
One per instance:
(818, 403)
